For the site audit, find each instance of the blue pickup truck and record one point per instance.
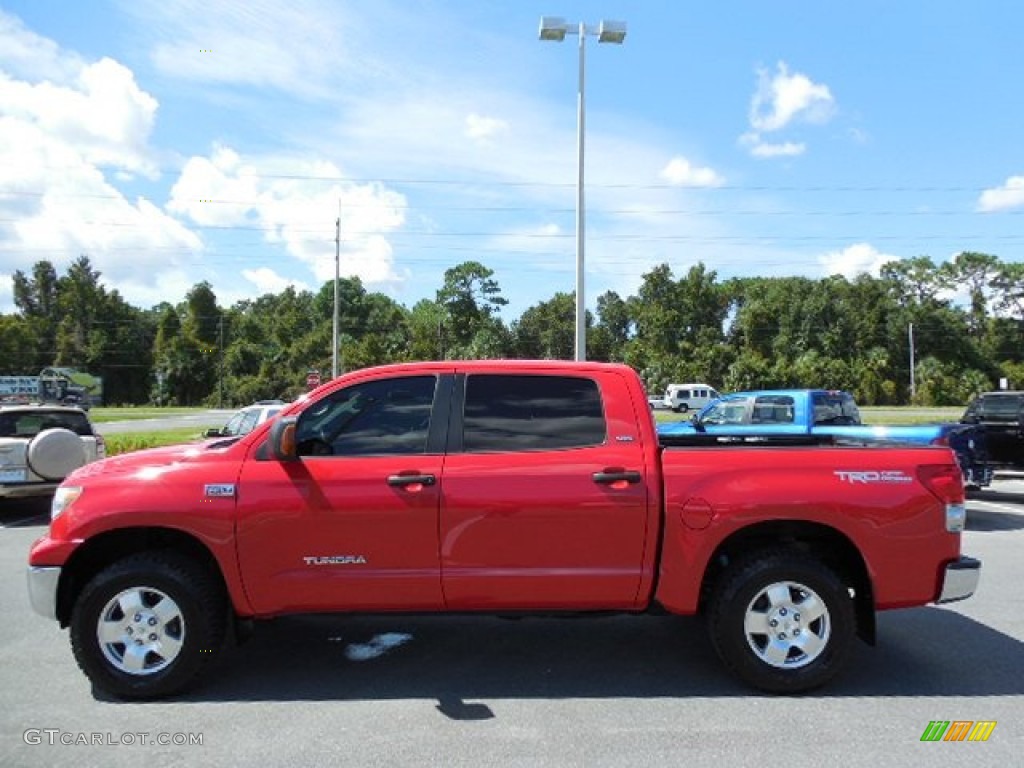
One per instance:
(830, 415)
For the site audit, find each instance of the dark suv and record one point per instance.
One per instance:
(1001, 417)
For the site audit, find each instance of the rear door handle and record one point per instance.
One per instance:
(403, 480)
(606, 478)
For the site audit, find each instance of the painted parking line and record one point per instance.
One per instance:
(993, 505)
(20, 521)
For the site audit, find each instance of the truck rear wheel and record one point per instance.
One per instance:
(783, 622)
(148, 625)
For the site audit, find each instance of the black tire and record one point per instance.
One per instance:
(804, 651)
(164, 620)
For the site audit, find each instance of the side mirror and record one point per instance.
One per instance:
(213, 432)
(282, 439)
(697, 423)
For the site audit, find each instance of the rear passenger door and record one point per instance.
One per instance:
(541, 506)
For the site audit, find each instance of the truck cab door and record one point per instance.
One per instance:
(352, 524)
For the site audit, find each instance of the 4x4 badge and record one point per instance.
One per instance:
(219, 490)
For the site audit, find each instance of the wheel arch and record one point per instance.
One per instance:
(831, 546)
(101, 550)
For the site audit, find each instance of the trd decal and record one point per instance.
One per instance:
(887, 476)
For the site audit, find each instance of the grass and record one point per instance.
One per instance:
(874, 414)
(136, 441)
(108, 413)
(888, 414)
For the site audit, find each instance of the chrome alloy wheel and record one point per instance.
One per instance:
(787, 625)
(141, 631)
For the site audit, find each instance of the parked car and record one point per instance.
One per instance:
(688, 397)
(247, 419)
(656, 402)
(499, 487)
(1000, 417)
(830, 414)
(41, 444)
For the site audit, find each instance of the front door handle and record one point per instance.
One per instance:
(403, 480)
(627, 476)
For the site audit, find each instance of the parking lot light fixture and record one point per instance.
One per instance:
(555, 28)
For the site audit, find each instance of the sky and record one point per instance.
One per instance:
(177, 141)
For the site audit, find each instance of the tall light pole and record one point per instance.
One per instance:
(337, 277)
(555, 28)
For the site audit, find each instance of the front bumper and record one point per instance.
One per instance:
(960, 580)
(42, 589)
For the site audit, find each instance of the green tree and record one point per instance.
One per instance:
(471, 299)
(547, 331)
(35, 297)
(17, 353)
(975, 272)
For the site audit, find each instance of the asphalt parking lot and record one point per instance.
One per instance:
(468, 691)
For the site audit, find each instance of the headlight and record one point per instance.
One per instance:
(65, 496)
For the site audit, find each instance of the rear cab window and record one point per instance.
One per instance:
(1001, 407)
(835, 408)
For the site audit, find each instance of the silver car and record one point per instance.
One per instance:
(247, 419)
(41, 444)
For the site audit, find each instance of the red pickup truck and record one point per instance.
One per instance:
(498, 487)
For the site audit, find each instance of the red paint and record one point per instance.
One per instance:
(501, 531)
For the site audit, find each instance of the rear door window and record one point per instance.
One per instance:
(527, 413)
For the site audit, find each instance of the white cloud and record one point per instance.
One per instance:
(26, 54)
(783, 98)
(760, 148)
(267, 280)
(481, 128)
(60, 128)
(295, 202)
(680, 172)
(1004, 198)
(101, 114)
(295, 47)
(860, 258)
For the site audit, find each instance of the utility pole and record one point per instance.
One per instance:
(913, 387)
(220, 395)
(337, 276)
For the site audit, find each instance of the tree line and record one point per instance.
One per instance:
(961, 321)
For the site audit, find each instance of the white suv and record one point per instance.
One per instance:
(41, 444)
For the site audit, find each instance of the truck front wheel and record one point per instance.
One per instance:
(148, 625)
(782, 621)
